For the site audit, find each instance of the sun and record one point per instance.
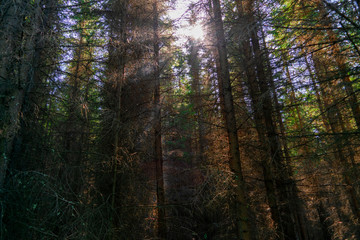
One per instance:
(194, 31)
(183, 29)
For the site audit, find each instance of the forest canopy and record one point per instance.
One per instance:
(180, 119)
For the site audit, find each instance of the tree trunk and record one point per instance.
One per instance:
(117, 65)
(11, 84)
(282, 179)
(242, 221)
(197, 98)
(158, 155)
(254, 91)
(288, 218)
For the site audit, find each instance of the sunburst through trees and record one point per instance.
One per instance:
(196, 119)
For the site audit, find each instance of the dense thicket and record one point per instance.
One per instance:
(112, 126)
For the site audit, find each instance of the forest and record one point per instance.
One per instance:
(179, 119)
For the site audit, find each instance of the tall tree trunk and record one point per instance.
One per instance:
(282, 179)
(254, 91)
(117, 66)
(158, 155)
(22, 54)
(288, 218)
(11, 84)
(242, 221)
(320, 206)
(197, 98)
(297, 208)
(73, 126)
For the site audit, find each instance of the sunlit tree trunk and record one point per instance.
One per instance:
(197, 98)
